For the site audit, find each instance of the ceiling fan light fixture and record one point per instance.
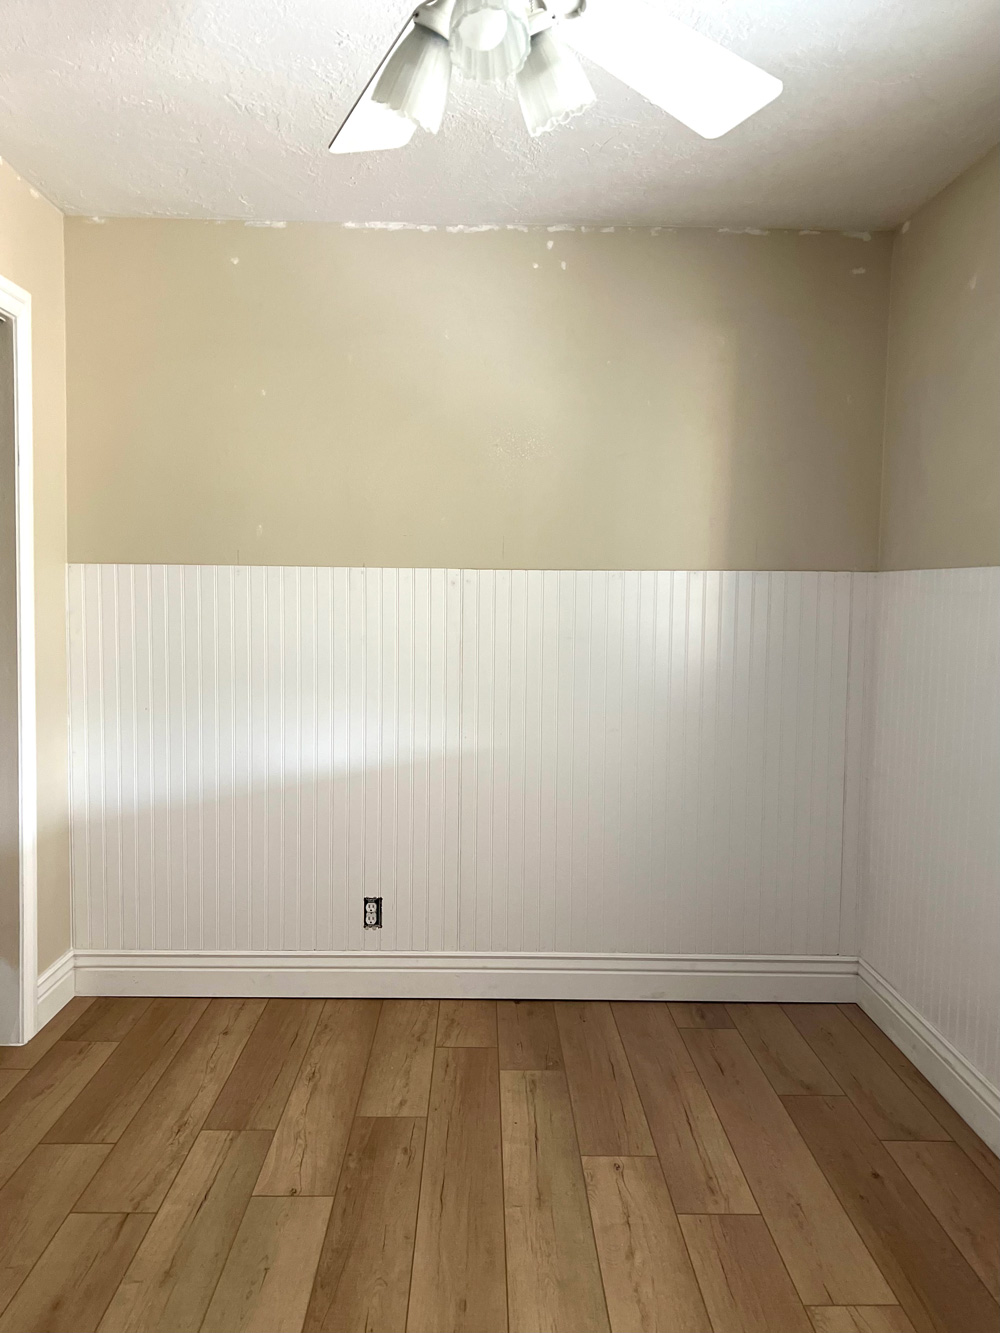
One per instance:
(551, 86)
(490, 39)
(416, 79)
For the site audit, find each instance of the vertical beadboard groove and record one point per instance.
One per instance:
(517, 761)
(931, 839)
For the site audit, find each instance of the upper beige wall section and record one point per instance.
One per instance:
(941, 480)
(31, 255)
(316, 395)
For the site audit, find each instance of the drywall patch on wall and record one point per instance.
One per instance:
(599, 762)
(704, 401)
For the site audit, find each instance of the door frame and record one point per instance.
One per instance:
(15, 304)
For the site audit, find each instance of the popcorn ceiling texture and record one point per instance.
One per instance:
(224, 108)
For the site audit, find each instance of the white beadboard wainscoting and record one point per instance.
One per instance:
(691, 785)
(930, 920)
(517, 762)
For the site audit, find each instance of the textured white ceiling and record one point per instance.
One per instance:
(223, 109)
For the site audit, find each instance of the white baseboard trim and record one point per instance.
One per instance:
(470, 975)
(784, 978)
(975, 1099)
(56, 987)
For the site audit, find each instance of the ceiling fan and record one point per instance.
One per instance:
(527, 42)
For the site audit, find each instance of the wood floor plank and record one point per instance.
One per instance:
(932, 1281)
(137, 1173)
(553, 1274)
(962, 1200)
(648, 1279)
(69, 1288)
(859, 1319)
(900, 1236)
(610, 1121)
(398, 1077)
(36, 1201)
(265, 1284)
(698, 1162)
(528, 1035)
(9, 1078)
(467, 1023)
(946, 1116)
(255, 1093)
(170, 1282)
(40, 1098)
(745, 1285)
(790, 1063)
(28, 1055)
(103, 1110)
(363, 1278)
(825, 1256)
(308, 1147)
(109, 1018)
(879, 1094)
(458, 1263)
(696, 1014)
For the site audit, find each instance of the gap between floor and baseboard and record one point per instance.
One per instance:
(739, 978)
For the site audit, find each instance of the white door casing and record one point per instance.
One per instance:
(18, 777)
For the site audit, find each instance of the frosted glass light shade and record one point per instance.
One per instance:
(551, 87)
(482, 49)
(416, 79)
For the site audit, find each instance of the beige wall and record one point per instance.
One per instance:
(941, 479)
(31, 255)
(316, 395)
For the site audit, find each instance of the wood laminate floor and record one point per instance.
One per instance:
(364, 1165)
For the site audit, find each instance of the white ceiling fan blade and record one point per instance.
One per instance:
(694, 79)
(371, 127)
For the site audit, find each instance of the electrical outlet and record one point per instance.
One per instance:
(373, 914)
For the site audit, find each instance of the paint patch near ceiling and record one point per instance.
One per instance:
(222, 109)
